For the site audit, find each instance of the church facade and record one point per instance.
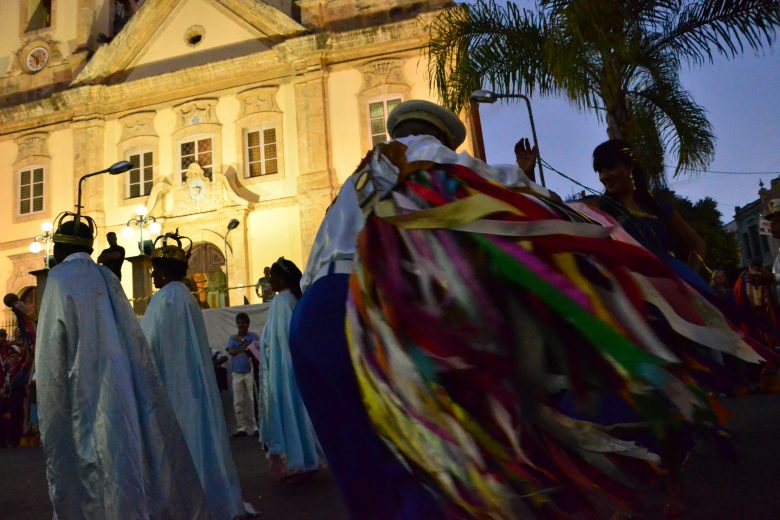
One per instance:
(246, 110)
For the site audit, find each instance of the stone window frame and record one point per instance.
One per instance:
(197, 119)
(18, 190)
(127, 147)
(196, 136)
(141, 152)
(261, 121)
(32, 152)
(24, 20)
(384, 100)
(382, 79)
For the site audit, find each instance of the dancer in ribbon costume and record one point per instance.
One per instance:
(465, 296)
(112, 443)
(285, 427)
(372, 482)
(173, 325)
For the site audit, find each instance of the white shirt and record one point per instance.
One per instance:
(336, 239)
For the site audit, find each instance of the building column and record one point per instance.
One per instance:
(142, 282)
(88, 146)
(41, 275)
(316, 176)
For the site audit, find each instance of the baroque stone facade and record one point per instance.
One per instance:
(226, 109)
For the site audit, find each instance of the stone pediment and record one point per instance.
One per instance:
(168, 35)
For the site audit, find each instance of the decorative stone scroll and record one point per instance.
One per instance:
(196, 112)
(22, 264)
(138, 124)
(261, 99)
(35, 144)
(382, 72)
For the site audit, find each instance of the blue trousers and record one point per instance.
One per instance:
(372, 482)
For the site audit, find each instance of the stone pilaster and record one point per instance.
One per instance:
(316, 178)
(85, 21)
(142, 282)
(41, 275)
(88, 137)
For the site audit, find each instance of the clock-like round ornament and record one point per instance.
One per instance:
(36, 58)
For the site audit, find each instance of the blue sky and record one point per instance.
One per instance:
(742, 99)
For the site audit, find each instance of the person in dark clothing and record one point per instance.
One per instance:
(12, 394)
(113, 256)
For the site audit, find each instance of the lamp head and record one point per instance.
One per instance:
(233, 224)
(47, 227)
(141, 210)
(484, 96)
(119, 167)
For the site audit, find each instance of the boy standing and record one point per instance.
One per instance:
(243, 380)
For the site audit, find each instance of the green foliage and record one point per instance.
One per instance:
(620, 59)
(704, 217)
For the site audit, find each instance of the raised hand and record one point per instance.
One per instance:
(526, 157)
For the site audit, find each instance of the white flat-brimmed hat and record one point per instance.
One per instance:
(437, 115)
(772, 208)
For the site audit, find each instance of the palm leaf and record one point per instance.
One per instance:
(702, 29)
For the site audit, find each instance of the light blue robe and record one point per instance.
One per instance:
(113, 446)
(285, 425)
(174, 326)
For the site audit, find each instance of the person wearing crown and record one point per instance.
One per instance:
(176, 332)
(112, 443)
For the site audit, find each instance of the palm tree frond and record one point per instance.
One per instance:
(725, 27)
(485, 44)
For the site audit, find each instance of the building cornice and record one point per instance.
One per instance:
(291, 58)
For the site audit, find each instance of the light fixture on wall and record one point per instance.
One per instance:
(141, 219)
(36, 246)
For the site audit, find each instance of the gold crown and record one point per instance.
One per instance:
(72, 237)
(171, 251)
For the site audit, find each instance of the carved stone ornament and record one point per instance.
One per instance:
(196, 112)
(197, 183)
(32, 145)
(199, 194)
(261, 99)
(137, 124)
(20, 277)
(382, 72)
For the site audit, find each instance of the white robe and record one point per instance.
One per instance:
(174, 326)
(336, 238)
(285, 426)
(112, 444)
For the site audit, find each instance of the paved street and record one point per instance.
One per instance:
(23, 493)
(714, 490)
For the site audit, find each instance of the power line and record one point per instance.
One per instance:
(578, 183)
(721, 172)
(595, 192)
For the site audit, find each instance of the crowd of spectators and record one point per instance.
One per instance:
(18, 424)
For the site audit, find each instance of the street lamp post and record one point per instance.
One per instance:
(141, 219)
(233, 224)
(35, 245)
(487, 96)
